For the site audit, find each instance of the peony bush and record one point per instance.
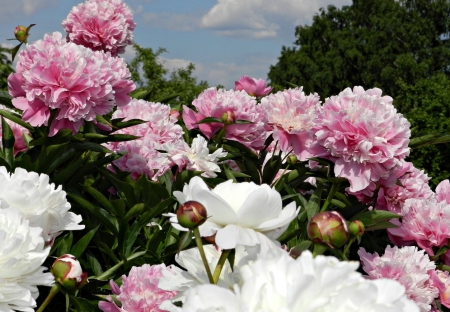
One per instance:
(243, 200)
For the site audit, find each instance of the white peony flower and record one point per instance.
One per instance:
(196, 157)
(22, 252)
(277, 282)
(39, 202)
(239, 213)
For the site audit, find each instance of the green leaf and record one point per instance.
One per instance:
(338, 203)
(242, 122)
(185, 241)
(65, 245)
(109, 273)
(94, 264)
(167, 98)
(16, 118)
(313, 206)
(381, 226)
(8, 143)
(101, 199)
(90, 146)
(81, 304)
(15, 50)
(135, 211)
(119, 124)
(208, 120)
(6, 99)
(370, 218)
(429, 139)
(78, 249)
(271, 169)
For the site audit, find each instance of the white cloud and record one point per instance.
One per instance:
(173, 64)
(262, 18)
(15, 9)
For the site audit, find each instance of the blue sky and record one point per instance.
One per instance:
(223, 38)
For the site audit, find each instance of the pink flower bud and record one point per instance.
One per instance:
(356, 228)
(328, 228)
(175, 113)
(67, 272)
(191, 214)
(21, 33)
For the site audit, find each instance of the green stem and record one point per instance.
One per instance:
(198, 241)
(319, 249)
(348, 245)
(334, 188)
(53, 291)
(221, 135)
(220, 264)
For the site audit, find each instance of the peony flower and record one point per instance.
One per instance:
(364, 135)
(68, 272)
(441, 280)
(39, 202)
(407, 265)
(139, 291)
(239, 213)
(105, 25)
(254, 87)
(18, 132)
(413, 185)
(424, 221)
(196, 157)
(277, 282)
(142, 155)
(290, 116)
(22, 253)
(78, 83)
(231, 106)
(443, 191)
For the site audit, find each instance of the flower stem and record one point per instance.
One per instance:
(53, 291)
(198, 241)
(348, 245)
(334, 188)
(219, 266)
(319, 249)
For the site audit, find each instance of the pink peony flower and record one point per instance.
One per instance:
(443, 191)
(234, 106)
(139, 291)
(78, 83)
(18, 132)
(407, 265)
(252, 86)
(441, 280)
(364, 135)
(101, 25)
(290, 116)
(142, 155)
(424, 221)
(414, 185)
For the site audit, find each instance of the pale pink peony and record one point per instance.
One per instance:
(413, 184)
(142, 155)
(233, 106)
(424, 221)
(443, 191)
(254, 87)
(364, 135)
(101, 25)
(290, 116)
(407, 265)
(139, 291)
(18, 132)
(78, 83)
(441, 280)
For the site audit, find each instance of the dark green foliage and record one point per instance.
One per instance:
(372, 43)
(5, 67)
(150, 75)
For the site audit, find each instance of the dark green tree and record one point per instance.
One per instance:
(5, 67)
(372, 43)
(150, 75)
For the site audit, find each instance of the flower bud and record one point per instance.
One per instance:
(21, 33)
(67, 272)
(328, 228)
(292, 159)
(356, 228)
(228, 117)
(191, 214)
(175, 113)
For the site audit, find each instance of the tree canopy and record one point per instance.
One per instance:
(5, 67)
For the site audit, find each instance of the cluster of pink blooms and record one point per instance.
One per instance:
(142, 155)
(412, 184)
(230, 107)
(414, 270)
(101, 25)
(139, 291)
(78, 83)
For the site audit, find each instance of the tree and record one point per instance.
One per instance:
(5, 67)
(150, 75)
(372, 43)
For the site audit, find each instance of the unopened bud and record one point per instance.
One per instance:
(191, 214)
(356, 228)
(328, 228)
(292, 159)
(67, 272)
(228, 117)
(21, 33)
